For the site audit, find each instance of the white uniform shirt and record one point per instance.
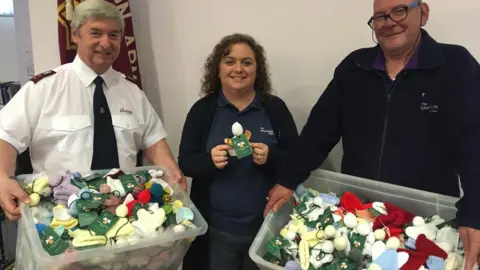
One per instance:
(54, 117)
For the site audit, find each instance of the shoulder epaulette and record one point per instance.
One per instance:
(128, 78)
(40, 76)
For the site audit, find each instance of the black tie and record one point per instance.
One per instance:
(105, 153)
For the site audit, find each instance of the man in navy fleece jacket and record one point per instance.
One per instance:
(408, 113)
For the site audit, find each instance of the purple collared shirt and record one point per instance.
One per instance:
(379, 63)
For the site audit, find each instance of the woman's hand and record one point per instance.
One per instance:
(260, 153)
(219, 155)
(277, 197)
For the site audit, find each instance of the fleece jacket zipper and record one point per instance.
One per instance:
(389, 90)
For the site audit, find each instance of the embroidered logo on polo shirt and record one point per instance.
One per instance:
(268, 131)
(125, 111)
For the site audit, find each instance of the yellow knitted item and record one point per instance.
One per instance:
(313, 235)
(148, 185)
(89, 241)
(34, 199)
(123, 227)
(177, 205)
(69, 224)
(39, 184)
(80, 233)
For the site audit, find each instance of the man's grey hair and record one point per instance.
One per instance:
(95, 9)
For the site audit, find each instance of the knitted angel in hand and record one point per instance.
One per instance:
(240, 142)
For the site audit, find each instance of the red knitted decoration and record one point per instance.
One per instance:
(415, 259)
(429, 248)
(130, 207)
(144, 196)
(395, 217)
(350, 202)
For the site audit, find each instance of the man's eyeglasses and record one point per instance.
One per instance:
(398, 14)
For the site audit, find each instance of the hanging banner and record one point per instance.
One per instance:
(127, 61)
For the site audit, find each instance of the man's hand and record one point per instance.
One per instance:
(260, 153)
(10, 192)
(471, 245)
(159, 154)
(277, 196)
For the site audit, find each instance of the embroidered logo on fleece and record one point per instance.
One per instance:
(426, 105)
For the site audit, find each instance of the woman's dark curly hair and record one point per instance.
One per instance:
(211, 82)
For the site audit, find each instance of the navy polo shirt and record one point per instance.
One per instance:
(239, 191)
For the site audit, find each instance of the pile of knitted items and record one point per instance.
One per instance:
(330, 232)
(74, 212)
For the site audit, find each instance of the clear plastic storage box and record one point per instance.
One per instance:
(165, 251)
(417, 202)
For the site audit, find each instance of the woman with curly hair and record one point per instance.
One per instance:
(229, 191)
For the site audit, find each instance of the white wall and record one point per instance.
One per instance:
(23, 38)
(44, 31)
(8, 50)
(304, 40)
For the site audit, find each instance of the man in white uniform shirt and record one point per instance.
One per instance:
(82, 115)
